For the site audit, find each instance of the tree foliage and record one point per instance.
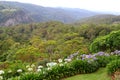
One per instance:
(52, 39)
(109, 42)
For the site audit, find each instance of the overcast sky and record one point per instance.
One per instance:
(95, 5)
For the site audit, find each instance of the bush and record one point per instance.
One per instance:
(58, 72)
(15, 69)
(103, 60)
(113, 66)
(83, 66)
(109, 42)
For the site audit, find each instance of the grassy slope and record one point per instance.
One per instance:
(101, 74)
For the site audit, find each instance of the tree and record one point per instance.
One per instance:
(28, 54)
(109, 42)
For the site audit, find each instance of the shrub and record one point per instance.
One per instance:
(103, 60)
(58, 72)
(15, 69)
(109, 42)
(113, 66)
(83, 66)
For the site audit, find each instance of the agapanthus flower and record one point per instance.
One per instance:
(51, 64)
(30, 69)
(67, 60)
(32, 65)
(38, 70)
(1, 72)
(19, 70)
(60, 60)
(39, 67)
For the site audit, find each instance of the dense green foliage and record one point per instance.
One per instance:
(82, 66)
(24, 47)
(113, 66)
(44, 42)
(50, 40)
(109, 42)
(89, 64)
(101, 19)
(66, 70)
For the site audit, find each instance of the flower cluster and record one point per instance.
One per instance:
(51, 64)
(1, 72)
(101, 54)
(39, 68)
(116, 52)
(19, 70)
(89, 62)
(73, 55)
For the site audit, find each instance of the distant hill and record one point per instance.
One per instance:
(100, 19)
(12, 16)
(25, 13)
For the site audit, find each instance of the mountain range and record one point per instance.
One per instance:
(13, 13)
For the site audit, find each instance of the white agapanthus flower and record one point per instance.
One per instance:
(39, 67)
(32, 65)
(19, 70)
(51, 64)
(27, 66)
(60, 60)
(61, 64)
(9, 71)
(30, 69)
(67, 60)
(38, 70)
(1, 72)
(1, 77)
(48, 68)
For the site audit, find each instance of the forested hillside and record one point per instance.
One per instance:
(100, 19)
(45, 43)
(49, 40)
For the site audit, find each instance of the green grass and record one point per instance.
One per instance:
(101, 74)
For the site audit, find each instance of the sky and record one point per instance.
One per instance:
(94, 5)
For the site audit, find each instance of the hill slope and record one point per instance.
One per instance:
(100, 19)
(12, 16)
